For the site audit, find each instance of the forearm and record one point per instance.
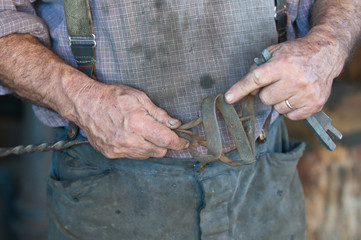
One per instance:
(119, 121)
(339, 22)
(301, 71)
(35, 73)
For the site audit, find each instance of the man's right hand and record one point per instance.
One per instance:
(119, 121)
(122, 122)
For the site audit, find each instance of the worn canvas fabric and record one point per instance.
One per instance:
(91, 197)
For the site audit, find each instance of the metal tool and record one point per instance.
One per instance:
(319, 122)
(43, 147)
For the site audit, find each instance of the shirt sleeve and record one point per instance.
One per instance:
(19, 16)
(299, 17)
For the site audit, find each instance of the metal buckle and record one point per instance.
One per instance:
(83, 40)
(280, 11)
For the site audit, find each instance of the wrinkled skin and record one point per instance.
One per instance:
(122, 122)
(126, 124)
(300, 70)
(119, 121)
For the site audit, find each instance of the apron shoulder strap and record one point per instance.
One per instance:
(81, 34)
(82, 42)
(281, 19)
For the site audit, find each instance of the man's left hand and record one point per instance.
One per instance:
(300, 71)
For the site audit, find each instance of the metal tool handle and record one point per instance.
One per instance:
(320, 124)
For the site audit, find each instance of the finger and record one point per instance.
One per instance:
(134, 147)
(145, 149)
(300, 114)
(283, 108)
(162, 116)
(256, 79)
(160, 135)
(277, 92)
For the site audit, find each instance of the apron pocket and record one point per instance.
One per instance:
(269, 201)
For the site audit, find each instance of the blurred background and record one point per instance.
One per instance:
(22, 178)
(331, 180)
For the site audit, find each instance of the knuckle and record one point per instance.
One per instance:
(161, 153)
(125, 143)
(288, 59)
(302, 82)
(135, 125)
(285, 59)
(160, 113)
(142, 97)
(318, 106)
(168, 141)
(256, 77)
(174, 143)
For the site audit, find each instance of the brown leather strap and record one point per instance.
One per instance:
(241, 129)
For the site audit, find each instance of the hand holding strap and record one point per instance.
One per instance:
(241, 129)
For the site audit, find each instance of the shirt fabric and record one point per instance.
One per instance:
(168, 54)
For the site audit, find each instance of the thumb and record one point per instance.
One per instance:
(162, 116)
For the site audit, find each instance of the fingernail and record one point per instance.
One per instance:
(173, 122)
(187, 145)
(229, 97)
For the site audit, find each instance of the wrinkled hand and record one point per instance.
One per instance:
(122, 122)
(300, 71)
